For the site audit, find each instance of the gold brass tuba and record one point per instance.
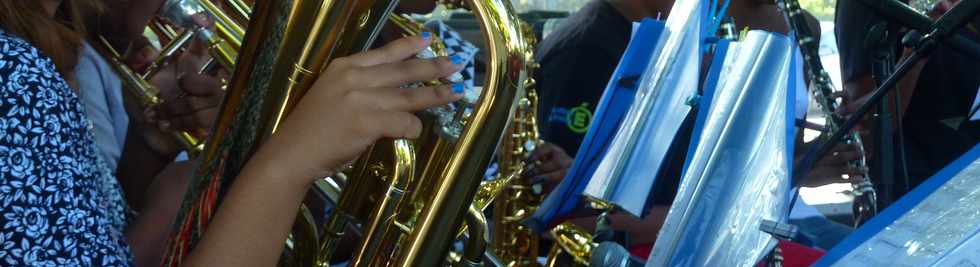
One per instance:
(287, 45)
(420, 187)
(411, 196)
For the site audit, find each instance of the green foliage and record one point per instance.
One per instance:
(822, 9)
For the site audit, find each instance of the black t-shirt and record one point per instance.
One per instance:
(577, 60)
(936, 127)
(851, 24)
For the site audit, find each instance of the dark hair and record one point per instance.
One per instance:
(60, 38)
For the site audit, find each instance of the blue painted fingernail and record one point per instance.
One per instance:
(456, 59)
(458, 88)
(426, 35)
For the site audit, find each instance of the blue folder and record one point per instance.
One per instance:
(615, 101)
(639, 150)
(737, 175)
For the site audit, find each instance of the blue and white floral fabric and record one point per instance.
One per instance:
(59, 205)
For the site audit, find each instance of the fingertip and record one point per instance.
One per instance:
(414, 128)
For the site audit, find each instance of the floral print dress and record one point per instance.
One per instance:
(59, 204)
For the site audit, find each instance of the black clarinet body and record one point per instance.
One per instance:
(822, 88)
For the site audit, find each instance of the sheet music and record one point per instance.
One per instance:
(942, 230)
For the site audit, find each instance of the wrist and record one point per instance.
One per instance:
(275, 162)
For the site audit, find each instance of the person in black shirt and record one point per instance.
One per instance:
(937, 96)
(577, 61)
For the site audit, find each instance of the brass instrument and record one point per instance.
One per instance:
(287, 45)
(573, 246)
(406, 192)
(512, 242)
(177, 12)
(145, 93)
(423, 187)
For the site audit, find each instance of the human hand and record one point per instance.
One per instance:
(834, 165)
(190, 103)
(552, 163)
(189, 100)
(357, 100)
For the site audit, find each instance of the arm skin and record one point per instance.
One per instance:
(255, 217)
(146, 237)
(641, 231)
(339, 117)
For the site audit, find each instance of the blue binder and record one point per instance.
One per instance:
(616, 99)
(637, 154)
(737, 174)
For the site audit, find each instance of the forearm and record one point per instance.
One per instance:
(148, 235)
(138, 166)
(254, 219)
(641, 231)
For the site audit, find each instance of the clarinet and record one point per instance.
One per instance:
(865, 198)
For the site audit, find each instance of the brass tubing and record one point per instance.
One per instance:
(288, 44)
(381, 221)
(554, 254)
(429, 243)
(167, 53)
(220, 50)
(241, 9)
(354, 198)
(333, 232)
(479, 236)
(164, 32)
(147, 94)
(225, 25)
(574, 241)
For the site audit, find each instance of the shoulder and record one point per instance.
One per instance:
(591, 28)
(32, 91)
(17, 54)
(56, 208)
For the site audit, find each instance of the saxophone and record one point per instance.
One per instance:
(405, 193)
(865, 201)
(514, 243)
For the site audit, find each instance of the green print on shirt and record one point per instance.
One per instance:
(579, 118)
